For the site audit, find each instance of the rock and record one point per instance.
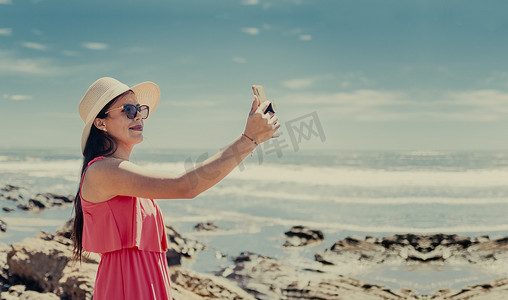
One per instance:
(406, 248)
(208, 226)
(4, 274)
(19, 292)
(13, 193)
(78, 279)
(266, 278)
(180, 246)
(8, 188)
(13, 196)
(39, 201)
(48, 200)
(3, 226)
(207, 286)
(494, 290)
(351, 249)
(302, 236)
(39, 262)
(7, 209)
(23, 206)
(45, 264)
(66, 229)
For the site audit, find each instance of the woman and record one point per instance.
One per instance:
(116, 215)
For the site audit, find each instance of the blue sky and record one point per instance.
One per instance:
(381, 75)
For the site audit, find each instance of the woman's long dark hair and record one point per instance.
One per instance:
(99, 143)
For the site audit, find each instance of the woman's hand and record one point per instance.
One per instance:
(261, 126)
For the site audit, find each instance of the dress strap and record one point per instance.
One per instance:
(95, 159)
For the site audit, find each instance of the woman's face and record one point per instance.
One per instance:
(126, 131)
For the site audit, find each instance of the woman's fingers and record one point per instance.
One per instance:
(260, 125)
(262, 108)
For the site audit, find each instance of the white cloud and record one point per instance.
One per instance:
(17, 97)
(35, 46)
(388, 106)
(250, 2)
(497, 79)
(186, 60)
(6, 31)
(69, 53)
(353, 79)
(239, 60)
(5, 1)
(10, 64)
(37, 32)
(95, 46)
(299, 83)
(305, 37)
(251, 30)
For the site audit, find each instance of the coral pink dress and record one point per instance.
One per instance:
(129, 233)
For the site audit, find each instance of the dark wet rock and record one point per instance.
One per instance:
(406, 247)
(266, 278)
(24, 206)
(208, 226)
(302, 236)
(7, 209)
(13, 196)
(3, 226)
(180, 246)
(410, 248)
(8, 188)
(27, 200)
(49, 200)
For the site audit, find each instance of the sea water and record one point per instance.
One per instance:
(343, 194)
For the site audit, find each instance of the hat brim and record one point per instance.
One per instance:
(147, 93)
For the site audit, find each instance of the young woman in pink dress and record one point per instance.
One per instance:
(116, 214)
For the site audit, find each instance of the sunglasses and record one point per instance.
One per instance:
(132, 110)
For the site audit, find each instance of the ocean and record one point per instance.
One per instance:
(355, 194)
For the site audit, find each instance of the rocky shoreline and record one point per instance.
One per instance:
(42, 267)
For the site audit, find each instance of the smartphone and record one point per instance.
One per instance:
(260, 92)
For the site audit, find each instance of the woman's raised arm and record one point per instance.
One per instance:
(111, 177)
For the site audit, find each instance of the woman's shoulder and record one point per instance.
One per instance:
(107, 168)
(100, 165)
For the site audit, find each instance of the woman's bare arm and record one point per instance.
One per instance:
(110, 177)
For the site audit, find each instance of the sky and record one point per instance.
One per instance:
(376, 75)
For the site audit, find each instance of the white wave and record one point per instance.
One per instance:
(344, 176)
(340, 176)
(247, 191)
(41, 167)
(296, 174)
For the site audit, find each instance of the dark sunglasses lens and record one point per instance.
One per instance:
(143, 111)
(130, 111)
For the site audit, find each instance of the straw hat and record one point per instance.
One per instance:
(106, 89)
